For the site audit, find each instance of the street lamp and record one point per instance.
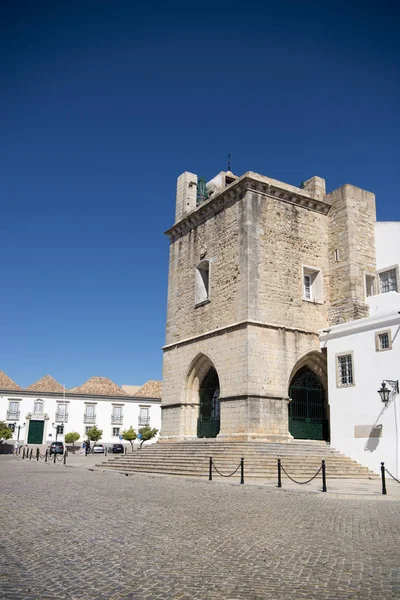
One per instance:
(19, 429)
(386, 393)
(56, 428)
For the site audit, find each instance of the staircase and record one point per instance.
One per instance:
(301, 459)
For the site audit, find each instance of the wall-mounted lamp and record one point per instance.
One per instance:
(385, 393)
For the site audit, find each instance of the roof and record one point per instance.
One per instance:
(99, 386)
(151, 389)
(45, 384)
(6, 383)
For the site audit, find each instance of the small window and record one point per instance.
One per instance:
(87, 430)
(60, 429)
(61, 410)
(312, 285)
(13, 411)
(369, 285)
(336, 255)
(202, 282)
(38, 407)
(383, 340)
(388, 281)
(117, 412)
(115, 431)
(144, 416)
(345, 371)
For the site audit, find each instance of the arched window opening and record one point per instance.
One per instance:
(202, 282)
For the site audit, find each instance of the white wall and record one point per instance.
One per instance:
(361, 404)
(75, 410)
(387, 242)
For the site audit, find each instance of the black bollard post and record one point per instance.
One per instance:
(242, 470)
(65, 457)
(125, 450)
(37, 454)
(19, 450)
(383, 479)
(279, 473)
(46, 455)
(210, 470)
(55, 457)
(323, 476)
(23, 453)
(105, 451)
(30, 455)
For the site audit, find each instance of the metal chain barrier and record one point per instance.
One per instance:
(392, 476)
(321, 469)
(240, 466)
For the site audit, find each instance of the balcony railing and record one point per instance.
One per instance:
(89, 418)
(117, 419)
(144, 420)
(61, 418)
(12, 416)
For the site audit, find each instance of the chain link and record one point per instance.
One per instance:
(392, 476)
(301, 482)
(222, 475)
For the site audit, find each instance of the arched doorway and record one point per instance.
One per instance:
(208, 423)
(308, 418)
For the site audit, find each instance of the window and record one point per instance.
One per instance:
(144, 415)
(312, 285)
(388, 281)
(345, 372)
(383, 340)
(115, 431)
(203, 282)
(60, 429)
(336, 255)
(13, 411)
(116, 416)
(61, 410)
(369, 285)
(87, 430)
(90, 416)
(38, 407)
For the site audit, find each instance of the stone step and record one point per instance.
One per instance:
(301, 459)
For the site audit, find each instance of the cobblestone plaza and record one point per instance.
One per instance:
(71, 533)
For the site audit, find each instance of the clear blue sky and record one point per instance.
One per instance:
(103, 104)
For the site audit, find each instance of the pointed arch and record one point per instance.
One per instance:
(203, 390)
(316, 362)
(308, 407)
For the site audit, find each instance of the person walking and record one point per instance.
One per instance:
(87, 448)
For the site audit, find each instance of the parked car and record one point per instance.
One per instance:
(56, 448)
(98, 448)
(117, 448)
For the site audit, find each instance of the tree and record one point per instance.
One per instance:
(129, 435)
(147, 433)
(5, 431)
(71, 438)
(94, 434)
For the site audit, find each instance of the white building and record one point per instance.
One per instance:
(363, 353)
(45, 410)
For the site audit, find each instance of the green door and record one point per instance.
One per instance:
(35, 433)
(307, 410)
(208, 423)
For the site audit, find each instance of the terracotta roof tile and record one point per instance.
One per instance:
(45, 384)
(151, 389)
(99, 386)
(6, 383)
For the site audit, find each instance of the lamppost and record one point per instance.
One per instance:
(19, 429)
(389, 396)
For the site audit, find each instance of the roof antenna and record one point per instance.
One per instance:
(229, 162)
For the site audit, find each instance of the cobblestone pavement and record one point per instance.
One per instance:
(81, 535)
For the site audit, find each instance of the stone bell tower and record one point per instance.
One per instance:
(255, 271)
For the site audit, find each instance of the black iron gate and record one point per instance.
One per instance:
(307, 410)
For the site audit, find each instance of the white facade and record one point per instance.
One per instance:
(361, 426)
(77, 413)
